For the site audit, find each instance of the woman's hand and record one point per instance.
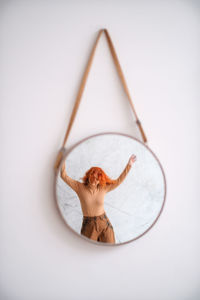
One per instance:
(132, 159)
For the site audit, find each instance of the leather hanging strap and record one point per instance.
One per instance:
(82, 86)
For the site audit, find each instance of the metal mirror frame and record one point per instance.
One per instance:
(67, 152)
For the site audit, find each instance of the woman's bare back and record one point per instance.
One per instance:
(92, 202)
(92, 198)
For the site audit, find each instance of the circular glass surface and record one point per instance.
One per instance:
(130, 208)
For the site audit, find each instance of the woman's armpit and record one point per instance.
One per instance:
(111, 186)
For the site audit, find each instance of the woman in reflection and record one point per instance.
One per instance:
(91, 192)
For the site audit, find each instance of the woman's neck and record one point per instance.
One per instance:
(92, 187)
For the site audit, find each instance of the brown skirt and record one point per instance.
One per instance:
(98, 228)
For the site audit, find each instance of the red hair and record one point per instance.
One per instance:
(102, 177)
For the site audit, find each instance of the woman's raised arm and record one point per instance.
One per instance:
(122, 176)
(74, 184)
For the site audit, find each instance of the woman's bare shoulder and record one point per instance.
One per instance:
(103, 188)
(82, 185)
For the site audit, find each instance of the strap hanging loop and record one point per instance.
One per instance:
(82, 86)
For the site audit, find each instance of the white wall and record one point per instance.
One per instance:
(44, 49)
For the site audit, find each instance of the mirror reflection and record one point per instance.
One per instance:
(110, 188)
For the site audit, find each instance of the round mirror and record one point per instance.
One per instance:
(110, 188)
